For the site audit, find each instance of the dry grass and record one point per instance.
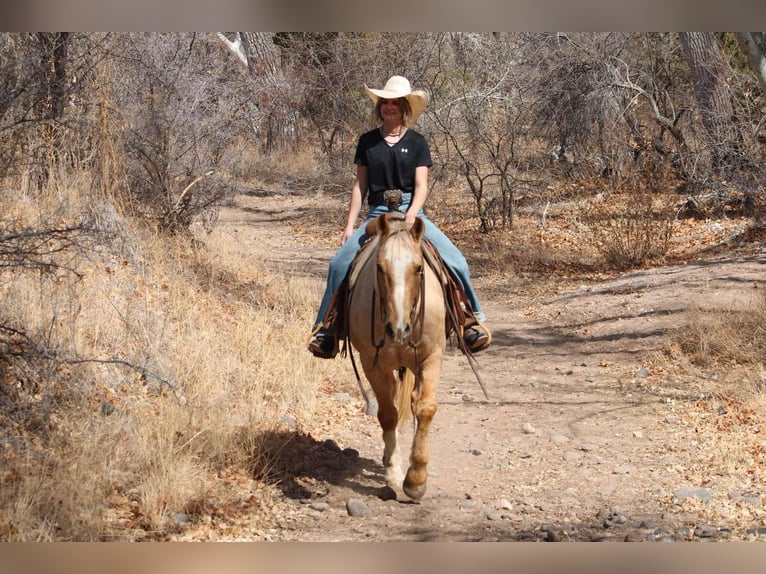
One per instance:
(732, 337)
(164, 364)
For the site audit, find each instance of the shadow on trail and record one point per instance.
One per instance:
(302, 467)
(539, 529)
(554, 338)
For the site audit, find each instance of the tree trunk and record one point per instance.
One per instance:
(53, 64)
(262, 55)
(714, 99)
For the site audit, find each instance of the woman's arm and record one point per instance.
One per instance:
(419, 195)
(355, 203)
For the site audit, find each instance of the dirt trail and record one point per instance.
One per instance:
(588, 433)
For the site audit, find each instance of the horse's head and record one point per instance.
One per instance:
(399, 275)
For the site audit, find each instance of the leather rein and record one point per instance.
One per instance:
(417, 317)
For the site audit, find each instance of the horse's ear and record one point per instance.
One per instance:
(384, 227)
(373, 226)
(417, 229)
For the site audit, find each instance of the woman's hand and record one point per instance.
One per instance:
(347, 232)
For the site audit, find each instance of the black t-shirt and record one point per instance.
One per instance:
(391, 167)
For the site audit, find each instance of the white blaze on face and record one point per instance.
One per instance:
(400, 260)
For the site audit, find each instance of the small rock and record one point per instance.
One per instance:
(527, 428)
(180, 518)
(341, 397)
(559, 438)
(638, 434)
(356, 507)
(320, 506)
(746, 498)
(704, 532)
(587, 446)
(505, 504)
(476, 451)
(625, 469)
(699, 493)
(642, 373)
(351, 452)
(494, 516)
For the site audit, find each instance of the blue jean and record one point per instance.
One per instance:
(450, 254)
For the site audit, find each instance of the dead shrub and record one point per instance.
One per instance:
(633, 224)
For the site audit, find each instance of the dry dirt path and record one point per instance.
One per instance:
(589, 432)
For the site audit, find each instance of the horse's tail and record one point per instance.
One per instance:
(404, 395)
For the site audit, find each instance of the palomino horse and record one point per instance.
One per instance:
(396, 322)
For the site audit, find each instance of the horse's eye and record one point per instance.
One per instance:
(419, 270)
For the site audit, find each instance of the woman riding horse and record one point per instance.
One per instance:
(394, 157)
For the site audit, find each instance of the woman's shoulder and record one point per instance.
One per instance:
(416, 134)
(371, 135)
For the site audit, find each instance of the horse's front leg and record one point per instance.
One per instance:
(425, 409)
(384, 385)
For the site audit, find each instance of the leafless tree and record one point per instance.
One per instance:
(179, 109)
(478, 114)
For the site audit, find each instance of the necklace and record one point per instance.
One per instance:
(393, 138)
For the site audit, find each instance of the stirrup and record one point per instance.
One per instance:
(323, 343)
(476, 336)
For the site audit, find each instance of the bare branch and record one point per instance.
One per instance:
(235, 46)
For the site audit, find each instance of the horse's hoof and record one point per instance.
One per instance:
(414, 491)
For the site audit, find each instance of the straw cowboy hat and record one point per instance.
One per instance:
(399, 87)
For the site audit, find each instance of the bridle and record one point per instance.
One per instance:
(417, 312)
(416, 318)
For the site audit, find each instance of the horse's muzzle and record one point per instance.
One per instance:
(399, 334)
